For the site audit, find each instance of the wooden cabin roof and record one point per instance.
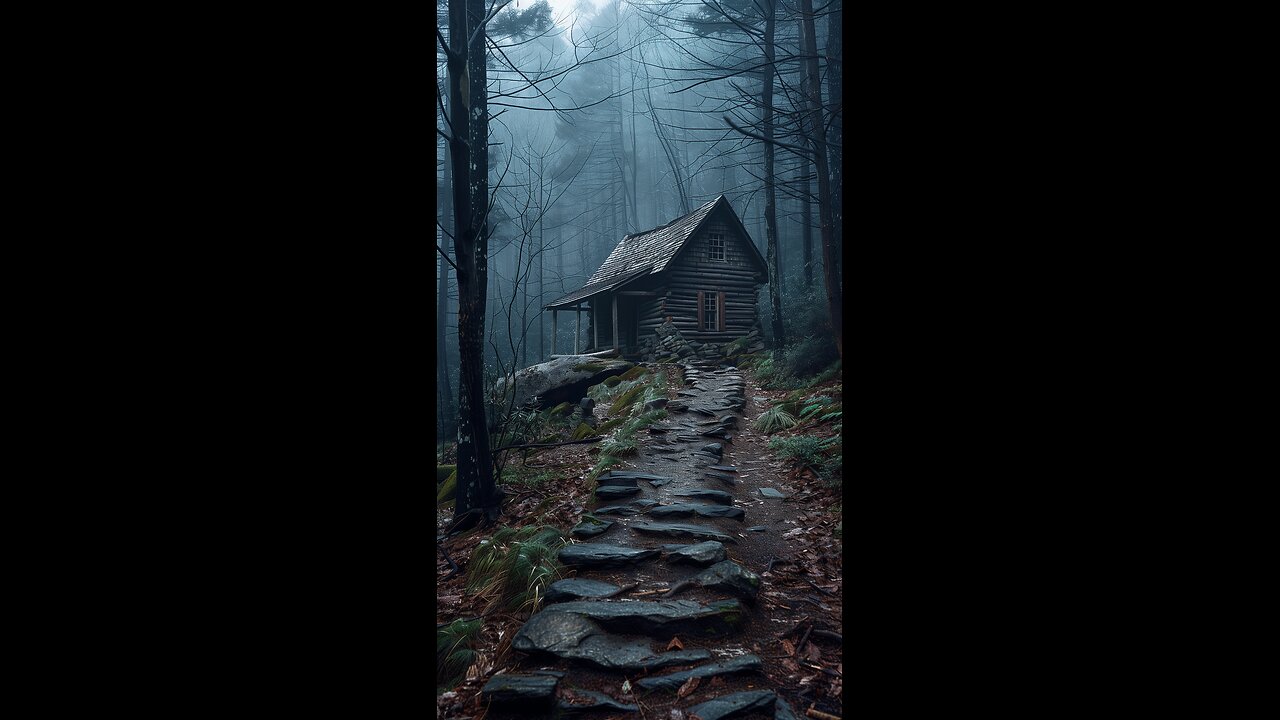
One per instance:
(651, 252)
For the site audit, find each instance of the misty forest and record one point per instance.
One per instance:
(639, 355)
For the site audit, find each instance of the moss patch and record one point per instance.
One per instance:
(563, 408)
(449, 489)
(612, 381)
(583, 431)
(609, 425)
(444, 471)
(625, 399)
(594, 366)
(633, 373)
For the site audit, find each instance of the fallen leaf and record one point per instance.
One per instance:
(812, 652)
(675, 644)
(791, 649)
(689, 686)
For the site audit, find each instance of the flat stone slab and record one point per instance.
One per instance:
(615, 510)
(686, 509)
(733, 705)
(616, 481)
(660, 483)
(681, 530)
(720, 476)
(729, 576)
(596, 702)
(510, 688)
(594, 555)
(587, 528)
(644, 503)
(771, 493)
(758, 528)
(723, 468)
(656, 618)
(575, 637)
(716, 496)
(633, 475)
(572, 589)
(610, 492)
(740, 664)
(704, 553)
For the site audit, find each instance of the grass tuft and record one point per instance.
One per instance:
(774, 419)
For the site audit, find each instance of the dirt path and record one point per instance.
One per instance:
(760, 632)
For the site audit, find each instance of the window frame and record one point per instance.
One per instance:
(712, 237)
(710, 311)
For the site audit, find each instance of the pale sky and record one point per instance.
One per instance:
(562, 10)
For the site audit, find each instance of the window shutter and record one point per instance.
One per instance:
(701, 322)
(720, 311)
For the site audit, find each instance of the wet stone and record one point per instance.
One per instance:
(740, 664)
(644, 503)
(660, 483)
(730, 577)
(703, 510)
(717, 496)
(704, 553)
(713, 448)
(733, 705)
(724, 468)
(719, 476)
(660, 618)
(593, 555)
(616, 481)
(598, 701)
(609, 492)
(588, 528)
(783, 711)
(771, 493)
(681, 530)
(510, 688)
(758, 528)
(578, 589)
(574, 637)
(615, 510)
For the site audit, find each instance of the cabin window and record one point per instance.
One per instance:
(715, 242)
(710, 320)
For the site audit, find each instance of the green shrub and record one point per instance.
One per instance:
(644, 420)
(608, 425)
(810, 356)
(444, 471)
(604, 463)
(806, 449)
(625, 399)
(619, 446)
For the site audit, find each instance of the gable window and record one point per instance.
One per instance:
(715, 245)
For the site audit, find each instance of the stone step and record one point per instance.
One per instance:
(603, 556)
(573, 636)
(681, 530)
(612, 492)
(687, 509)
(734, 704)
(728, 576)
(740, 664)
(527, 690)
(588, 701)
(616, 481)
(703, 553)
(571, 589)
(717, 496)
(586, 528)
(615, 510)
(724, 468)
(655, 618)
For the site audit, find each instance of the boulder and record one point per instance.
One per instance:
(576, 637)
(660, 618)
(593, 555)
(681, 530)
(558, 380)
(590, 527)
(730, 577)
(578, 589)
(704, 553)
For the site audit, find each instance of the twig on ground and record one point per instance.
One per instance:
(819, 715)
(819, 589)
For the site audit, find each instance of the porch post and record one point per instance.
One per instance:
(615, 321)
(553, 331)
(577, 323)
(595, 325)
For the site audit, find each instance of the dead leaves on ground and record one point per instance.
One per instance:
(689, 686)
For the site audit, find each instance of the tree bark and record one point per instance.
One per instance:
(806, 229)
(770, 196)
(476, 491)
(817, 138)
(836, 101)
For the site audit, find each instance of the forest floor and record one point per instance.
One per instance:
(794, 624)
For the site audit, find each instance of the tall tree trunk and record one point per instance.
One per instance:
(476, 491)
(835, 298)
(442, 313)
(770, 199)
(836, 101)
(806, 229)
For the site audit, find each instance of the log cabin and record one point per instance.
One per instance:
(701, 270)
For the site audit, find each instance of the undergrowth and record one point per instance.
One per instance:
(455, 651)
(514, 567)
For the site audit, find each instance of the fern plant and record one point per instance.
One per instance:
(774, 419)
(454, 652)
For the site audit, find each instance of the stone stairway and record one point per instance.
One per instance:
(619, 621)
